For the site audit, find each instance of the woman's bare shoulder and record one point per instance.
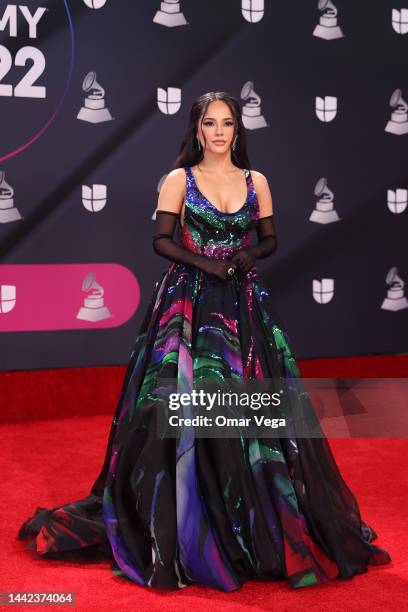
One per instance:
(172, 190)
(259, 178)
(263, 193)
(176, 176)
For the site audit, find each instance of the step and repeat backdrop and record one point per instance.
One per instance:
(94, 102)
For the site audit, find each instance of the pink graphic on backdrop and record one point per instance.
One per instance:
(42, 297)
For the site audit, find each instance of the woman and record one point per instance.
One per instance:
(176, 510)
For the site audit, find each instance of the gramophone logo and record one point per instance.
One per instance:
(398, 124)
(326, 108)
(395, 299)
(170, 14)
(252, 117)
(7, 298)
(252, 10)
(169, 100)
(94, 308)
(95, 4)
(8, 212)
(399, 20)
(31, 86)
(94, 109)
(159, 186)
(328, 28)
(324, 211)
(323, 290)
(397, 200)
(94, 198)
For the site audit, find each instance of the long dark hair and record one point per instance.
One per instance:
(190, 154)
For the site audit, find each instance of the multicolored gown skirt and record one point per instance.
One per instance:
(172, 511)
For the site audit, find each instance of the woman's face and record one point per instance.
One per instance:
(217, 124)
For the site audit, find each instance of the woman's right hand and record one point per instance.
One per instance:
(219, 267)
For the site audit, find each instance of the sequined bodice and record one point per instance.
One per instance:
(213, 233)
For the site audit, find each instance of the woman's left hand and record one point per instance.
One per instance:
(244, 259)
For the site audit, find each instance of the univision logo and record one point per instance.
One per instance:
(95, 4)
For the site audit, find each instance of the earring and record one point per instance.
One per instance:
(199, 144)
(235, 141)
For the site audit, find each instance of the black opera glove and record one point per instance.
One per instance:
(164, 245)
(244, 259)
(267, 244)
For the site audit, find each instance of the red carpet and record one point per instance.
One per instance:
(46, 463)
(69, 392)
(51, 462)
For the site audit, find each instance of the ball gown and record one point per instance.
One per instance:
(171, 512)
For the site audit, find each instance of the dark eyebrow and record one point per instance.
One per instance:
(226, 118)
